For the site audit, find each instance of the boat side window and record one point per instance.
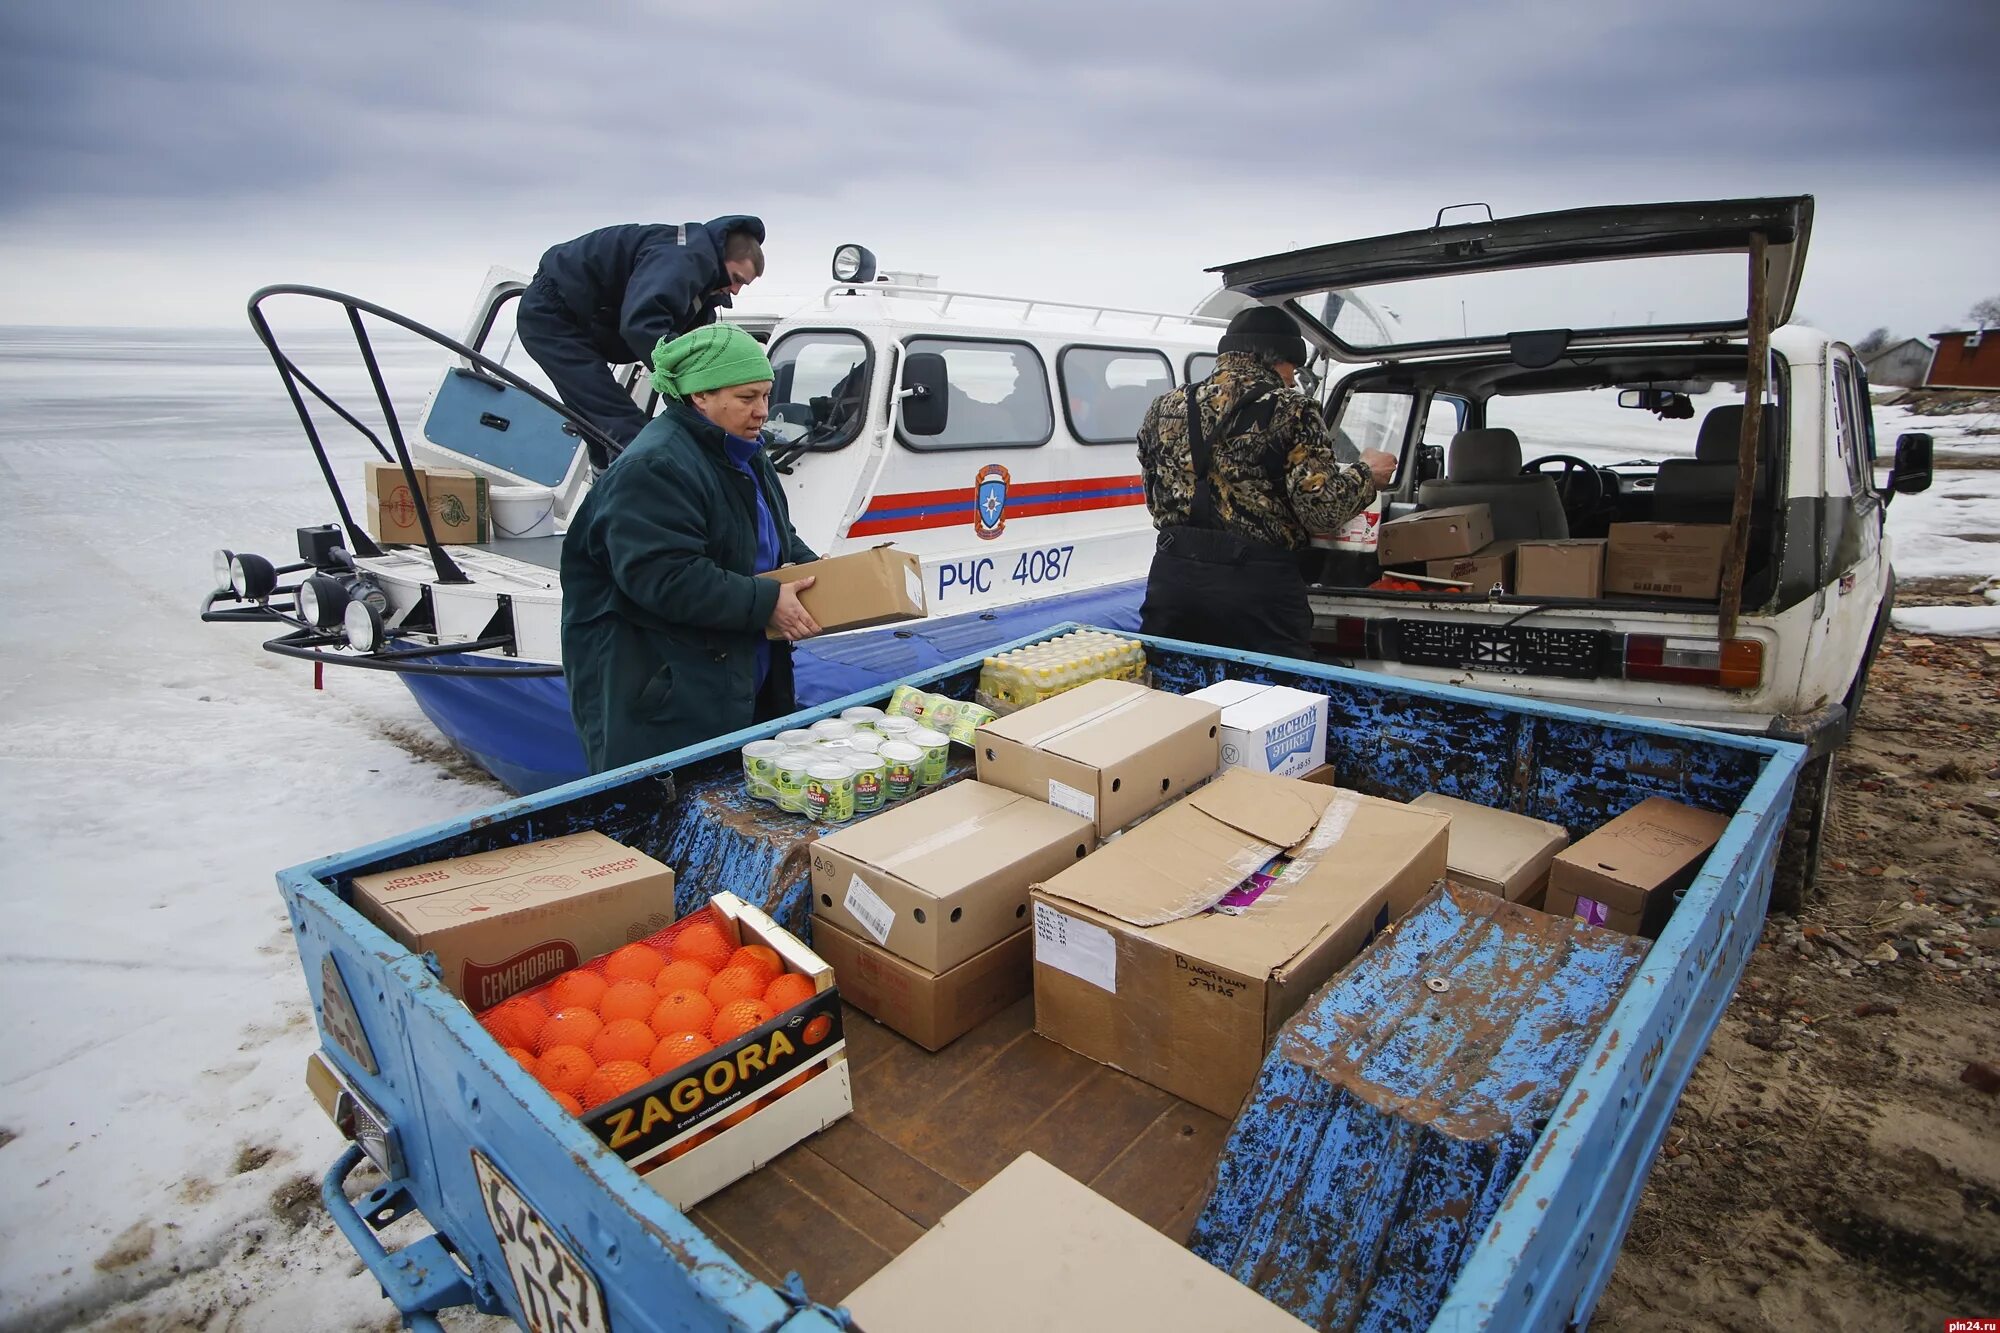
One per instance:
(819, 388)
(1106, 390)
(996, 395)
(1200, 365)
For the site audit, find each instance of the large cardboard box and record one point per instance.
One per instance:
(1269, 728)
(1176, 951)
(1490, 564)
(1506, 854)
(1624, 875)
(879, 586)
(1665, 559)
(1033, 1249)
(502, 921)
(945, 876)
(1434, 534)
(932, 1009)
(1572, 568)
(1110, 750)
(459, 501)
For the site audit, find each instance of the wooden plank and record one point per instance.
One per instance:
(738, 1250)
(1167, 1167)
(849, 1200)
(787, 1229)
(1102, 1117)
(985, 1122)
(898, 1179)
(901, 1090)
(867, 1041)
(1737, 553)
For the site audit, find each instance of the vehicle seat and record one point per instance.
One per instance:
(1484, 467)
(1702, 489)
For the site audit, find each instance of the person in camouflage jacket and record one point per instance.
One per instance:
(1231, 577)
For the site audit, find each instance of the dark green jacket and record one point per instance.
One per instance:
(661, 611)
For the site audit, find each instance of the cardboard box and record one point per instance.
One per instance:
(946, 876)
(1434, 534)
(1623, 876)
(1134, 969)
(1490, 564)
(1572, 568)
(1110, 750)
(1034, 1249)
(1506, 854)
(932, 1009)
(719, 1117)
(1323, 775)
(879, 586)
(502, 921)
(1269, 728)
(1665, 559)
(459, 501)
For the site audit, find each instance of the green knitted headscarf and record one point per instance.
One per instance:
(718, 356)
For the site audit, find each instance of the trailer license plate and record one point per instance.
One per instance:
(555, 1291)
(1524, 650)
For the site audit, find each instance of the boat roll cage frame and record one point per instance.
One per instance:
(323, 553)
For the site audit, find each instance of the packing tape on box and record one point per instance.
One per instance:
(1332, 827)
(943, 838)
(1091, 718)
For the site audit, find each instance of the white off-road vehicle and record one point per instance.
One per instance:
(1577, 369)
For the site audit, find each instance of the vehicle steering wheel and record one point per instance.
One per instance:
(1579, 498)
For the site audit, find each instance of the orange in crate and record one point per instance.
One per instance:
(634, 962)
(761, 958)
(612, 1081)
(515, 1022)
(564, 1068)
(522, 1055)
(684, 974)
(568, 1027)
(567, 1102)
(676, 1049)
(703, 942)
(735, 983)
(624, 1039)
(788, 990)
(737, 1018)
(627, 999)
(682, 1011)
(577, 989)
(744, 1112)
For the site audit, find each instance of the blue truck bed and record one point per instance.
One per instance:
(478, 1148)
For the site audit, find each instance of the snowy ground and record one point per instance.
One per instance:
(154, 1126)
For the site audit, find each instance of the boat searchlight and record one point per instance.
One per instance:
(251, 577)
(853, 263)
(323, 601)
(364, 627)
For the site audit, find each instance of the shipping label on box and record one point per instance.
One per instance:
(1269, 728)
(946, 876)
(1491, 564)
(1109, 751)
(1571, 568)
(1666, 559)
(502, 921)
(1176, 950)
(1434, 534)
(459, 503)
(1624, 875)
(932, 1009)
(1505, 854)
(879, 586)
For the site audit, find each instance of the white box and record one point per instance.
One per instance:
(1269, 728)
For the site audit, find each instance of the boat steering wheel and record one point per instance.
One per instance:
(1579, 486)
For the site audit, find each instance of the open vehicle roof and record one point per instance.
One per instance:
(1676, 256)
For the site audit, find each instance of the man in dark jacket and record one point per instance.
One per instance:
(612, 296)
(664, 618)
(1237, 485)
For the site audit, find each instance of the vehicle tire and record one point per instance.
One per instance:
(1806, 830)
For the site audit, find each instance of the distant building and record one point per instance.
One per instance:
(1904, 363)
(1966, 359)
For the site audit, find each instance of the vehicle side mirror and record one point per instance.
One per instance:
(1430, 462)
(925, 404)
(1912, 472)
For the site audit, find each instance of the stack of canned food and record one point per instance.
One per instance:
(954, 717)
(840, 767)
(1039, 671)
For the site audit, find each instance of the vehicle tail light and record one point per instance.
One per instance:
(1737, 664)
(1350, 637)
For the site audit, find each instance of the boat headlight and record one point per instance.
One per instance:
(323, 601)
(364, 627)
(252, 577)
(853, 263)
(220, 563)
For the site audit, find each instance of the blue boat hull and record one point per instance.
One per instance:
(519, 729)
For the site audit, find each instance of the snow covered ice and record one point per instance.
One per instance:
(155, 772)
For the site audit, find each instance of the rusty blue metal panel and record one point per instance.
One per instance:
(1397, 1107)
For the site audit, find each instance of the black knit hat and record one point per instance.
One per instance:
(1265, 328)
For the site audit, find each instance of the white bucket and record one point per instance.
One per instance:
(523, 511)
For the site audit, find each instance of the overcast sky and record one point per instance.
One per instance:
(159, 160)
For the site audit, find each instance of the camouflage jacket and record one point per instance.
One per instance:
(1276, 478)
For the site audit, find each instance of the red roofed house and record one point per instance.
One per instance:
(1967, 359)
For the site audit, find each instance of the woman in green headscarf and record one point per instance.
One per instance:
(663, 618)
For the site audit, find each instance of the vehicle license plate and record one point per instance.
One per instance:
(557, 1294)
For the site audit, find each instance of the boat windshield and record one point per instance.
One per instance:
(819, 388)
